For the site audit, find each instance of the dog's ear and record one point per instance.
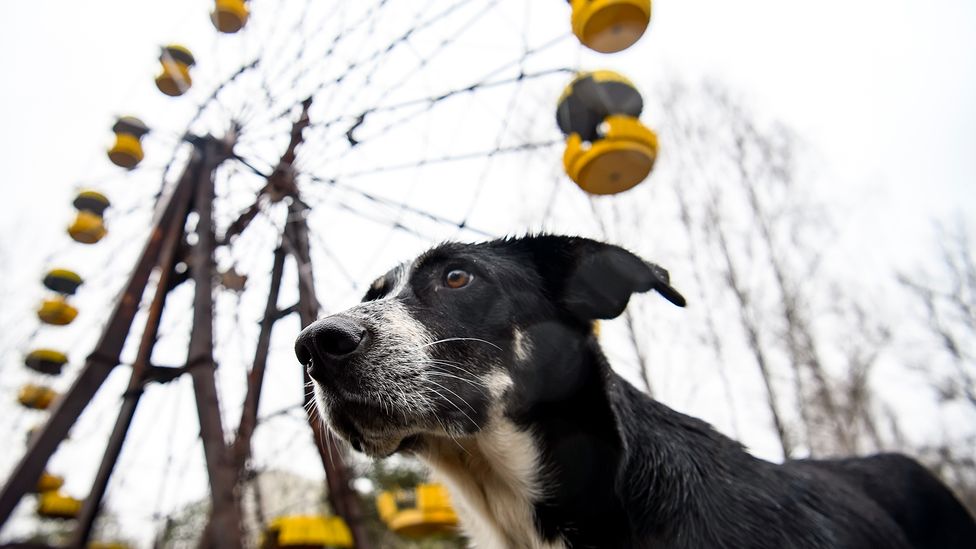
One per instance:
(594, 280)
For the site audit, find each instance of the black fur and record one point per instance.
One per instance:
(622, 469)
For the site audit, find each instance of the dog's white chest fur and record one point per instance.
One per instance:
(494, 478)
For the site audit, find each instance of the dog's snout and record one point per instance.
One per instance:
(327, 342)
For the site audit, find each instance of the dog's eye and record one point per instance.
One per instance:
(457, 278)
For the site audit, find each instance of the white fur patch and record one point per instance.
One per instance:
(403, 354)
(401, 278)
(494, 479)
(521, 345)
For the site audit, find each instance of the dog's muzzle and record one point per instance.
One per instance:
(327, 346)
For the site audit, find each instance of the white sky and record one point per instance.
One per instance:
(882, 89)
(882, 92)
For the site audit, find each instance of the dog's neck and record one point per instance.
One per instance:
(558, 468)
(579, 443)
(542, 472)
(677, 473)
(495, 480)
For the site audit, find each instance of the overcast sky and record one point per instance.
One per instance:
(882, 89)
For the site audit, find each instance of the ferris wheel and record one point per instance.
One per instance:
(285, 158)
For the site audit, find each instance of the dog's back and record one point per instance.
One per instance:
(927, 512)
(720, 496)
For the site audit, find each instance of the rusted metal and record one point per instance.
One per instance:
(281, 182)
(130, 401)
(99, 363)
(225, 504)
(255, 378)
(241, 223)
(241, 448)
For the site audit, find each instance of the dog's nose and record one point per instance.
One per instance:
(327, 342)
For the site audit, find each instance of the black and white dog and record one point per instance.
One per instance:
(481, 360)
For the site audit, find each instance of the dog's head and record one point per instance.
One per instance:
(437, 343)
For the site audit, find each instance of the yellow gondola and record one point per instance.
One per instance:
(622, 157)
(175, 78)
(56, 311)
(609, 26)
(608, 150)
(62, 281)
(87, 228)
(127, 150)
(307, 531)
(48, 483)
(36, 397)
(418, 513)
(91, 201)
(58, 506)
(46, 361)
(229, 15)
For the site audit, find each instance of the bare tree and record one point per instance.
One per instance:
(947, 355)
(754, 240)
(949, 300)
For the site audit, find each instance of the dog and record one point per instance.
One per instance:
(481, 360)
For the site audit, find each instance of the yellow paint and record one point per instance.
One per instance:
(36, 397)
(616, 162)
(175, 79)
(56, 311)
(58, 506)
(609, 26)
(418, 513)
(309, 531)
(87, 228)
(126, 152)
(229, 16)
(48, 483)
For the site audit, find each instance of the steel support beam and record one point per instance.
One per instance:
(138, 378)
(241, 448)
(225, 505)
(255, 378)
(99, 363)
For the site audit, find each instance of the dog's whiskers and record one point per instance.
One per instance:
(440, 362)
(330, 441)
(441, 373)
(445, 340)
(466, 403)
(451, 436)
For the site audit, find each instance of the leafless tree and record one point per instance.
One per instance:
(949, 300)
(946, 291)
(754, 239)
